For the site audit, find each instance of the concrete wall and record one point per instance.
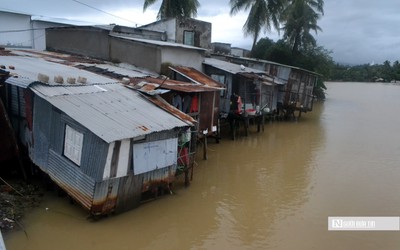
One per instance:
(152, 56)
(167, 26)
(175, 29)
(85, 41)
(39, 33)
(202, 30)
(183, 57)
(140, 54)
(16, 30)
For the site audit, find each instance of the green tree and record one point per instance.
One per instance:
(261, 49)
(263, 15)
(316, 59)
(299, 18)
(174, 8)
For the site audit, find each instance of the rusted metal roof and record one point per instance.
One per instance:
(160, 102)
(197, 76)
(52, 64)
(267, 80)
(171, 85)
(105, 107)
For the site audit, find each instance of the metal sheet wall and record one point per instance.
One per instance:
(105, 196)
(41, 132)
(17, 101)
(129, 192)
(94, 152)
(69, 177)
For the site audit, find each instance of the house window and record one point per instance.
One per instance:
(73, 145)
(188, 37)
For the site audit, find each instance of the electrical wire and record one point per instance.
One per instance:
(87, 5)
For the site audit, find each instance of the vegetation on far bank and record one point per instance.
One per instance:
(385, 72)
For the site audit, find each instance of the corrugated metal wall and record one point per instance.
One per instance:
(41, 132)
(17, 113)
(105, 196)
(17, 100)
(69, 177)
(84, 183)
(51, 135)
(49, 129)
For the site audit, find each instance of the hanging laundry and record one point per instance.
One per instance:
(195, 104)
(177, 102)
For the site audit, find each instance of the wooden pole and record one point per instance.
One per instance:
(205, 157)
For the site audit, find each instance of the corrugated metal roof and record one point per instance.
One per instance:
(267, 80)
(83, 63)
(123, 69)
(230, 67)
(114, 114)
(271, 62)
(158, 43)
(197, 76)
(171, 85)
(20, 82)
(58, 90)
(30, 67)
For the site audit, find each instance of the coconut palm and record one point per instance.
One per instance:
(300, 18)
(263, 15)
(174, 8)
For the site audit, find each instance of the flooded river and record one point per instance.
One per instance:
(270, 190)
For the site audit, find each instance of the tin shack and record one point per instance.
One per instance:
(102, 143)
(198, 100)
(249, 93)
(295, 85)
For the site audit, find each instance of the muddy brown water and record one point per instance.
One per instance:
(270, 190)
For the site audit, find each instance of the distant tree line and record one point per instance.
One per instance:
(385, 72)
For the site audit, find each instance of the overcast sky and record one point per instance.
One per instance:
(356, 31)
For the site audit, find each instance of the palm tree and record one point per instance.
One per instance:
(174, 8)
(263, 14)
(299, 18)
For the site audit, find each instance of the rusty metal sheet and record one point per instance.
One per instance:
(160, 102)
(173, 85)
(197, 76)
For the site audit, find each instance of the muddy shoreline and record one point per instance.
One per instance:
(16, 198)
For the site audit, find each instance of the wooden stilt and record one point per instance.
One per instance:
(187, 182)
(246, 125)
(205, 157)
(192, 170)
